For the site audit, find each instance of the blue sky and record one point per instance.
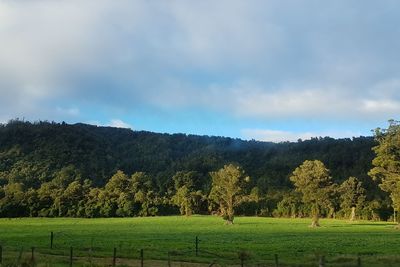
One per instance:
(255, 69)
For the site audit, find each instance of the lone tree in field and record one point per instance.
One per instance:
(352, 196)
(313, 181)
(228, 189)
(387, 161)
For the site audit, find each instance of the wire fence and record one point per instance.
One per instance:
(60, 254)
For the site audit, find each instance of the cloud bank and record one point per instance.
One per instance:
(249, 60)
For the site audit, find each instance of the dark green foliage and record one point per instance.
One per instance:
(52, 169)
(35, 152)
(352, 197)
(387, 161)
(292, 206)
(187, 192)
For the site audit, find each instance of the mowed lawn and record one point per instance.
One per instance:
(260, 238)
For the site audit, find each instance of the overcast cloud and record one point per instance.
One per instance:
(252, 60)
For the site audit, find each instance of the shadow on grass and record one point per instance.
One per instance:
(373, 224)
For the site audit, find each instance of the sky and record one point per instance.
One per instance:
(252, 69)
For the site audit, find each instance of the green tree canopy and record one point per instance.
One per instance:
(186, 197)
(312, 179)
(144, 195)
(386, 163)
(352, 196)
(227, 191)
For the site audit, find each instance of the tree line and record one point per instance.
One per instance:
(57, 169)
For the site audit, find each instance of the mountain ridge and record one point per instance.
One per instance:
(97, 152)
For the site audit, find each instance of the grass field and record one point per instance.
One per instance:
(377, 243)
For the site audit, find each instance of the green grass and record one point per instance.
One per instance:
(292, 239)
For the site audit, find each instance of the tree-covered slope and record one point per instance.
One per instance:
(34, 153)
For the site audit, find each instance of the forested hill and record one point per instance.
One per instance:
(34, 153)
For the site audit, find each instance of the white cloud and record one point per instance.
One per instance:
(251, 100)
(282, 136)
(381, 106)
(253, 59)
(210, 39)
(274, 135)
(3, 120)
(119, 124)
(287, 102)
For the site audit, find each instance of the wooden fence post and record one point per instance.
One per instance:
(70, 256)
(358, 261)
(21, 251)
(169, 259)
(90, 255)
(141, 258)
(32, 254)
(114, 257)
(322, 261)
(276, 260)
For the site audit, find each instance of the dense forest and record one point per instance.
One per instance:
(58, 169)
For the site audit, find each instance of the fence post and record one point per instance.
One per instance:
(114, 257)
(51, 239)
(322, 261)
(242, 262)
(32, 254)
(169, 259)
(358, 261)
(197, 246)
(90, 256)
(20, 255)
(276, 260)
(141, 258)
(70, 256)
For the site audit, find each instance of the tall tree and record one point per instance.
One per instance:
(227, 191)
(386, 163)
(118, 191)
(312, 179)
(186, 196)
(12, 204)
(73, 198)
(352, 196)
(144, 196)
